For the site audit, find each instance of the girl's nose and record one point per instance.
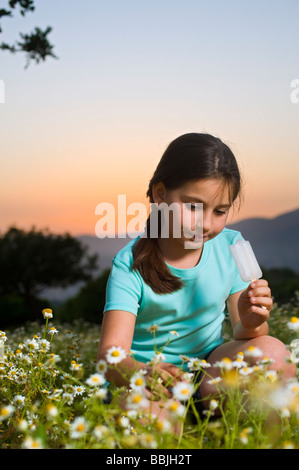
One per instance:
(207, 223)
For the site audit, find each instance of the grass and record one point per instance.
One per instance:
(53, 397)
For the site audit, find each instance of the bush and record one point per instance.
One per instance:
(88, 304)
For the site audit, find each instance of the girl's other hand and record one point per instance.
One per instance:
(255, 304)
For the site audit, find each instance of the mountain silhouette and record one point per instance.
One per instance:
(275, 242)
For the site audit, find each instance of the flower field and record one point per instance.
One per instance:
(53, 395)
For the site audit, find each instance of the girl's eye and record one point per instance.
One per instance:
(193, 207)
(220, 212)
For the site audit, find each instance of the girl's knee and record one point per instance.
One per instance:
(276, 351)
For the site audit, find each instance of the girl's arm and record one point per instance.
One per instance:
(117, 330)
(246, 322)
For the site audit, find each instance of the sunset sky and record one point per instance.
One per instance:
(131, 76)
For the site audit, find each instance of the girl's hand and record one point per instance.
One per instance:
(161, 377)
(251, 301)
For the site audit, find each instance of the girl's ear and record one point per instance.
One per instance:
(159, 192)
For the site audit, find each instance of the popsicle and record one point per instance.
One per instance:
(246, 261)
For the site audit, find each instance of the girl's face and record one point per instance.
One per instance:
(215, 207)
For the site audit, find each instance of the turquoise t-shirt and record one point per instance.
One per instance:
(195, 312)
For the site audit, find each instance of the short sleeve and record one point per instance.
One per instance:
(123, 291)
(238, 284)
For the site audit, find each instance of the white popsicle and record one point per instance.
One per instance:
(246, 261)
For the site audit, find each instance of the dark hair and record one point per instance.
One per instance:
(192, 156)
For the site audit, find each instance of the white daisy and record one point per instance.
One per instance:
(19, 400)
(253, 351)
(196, 364)
(6, 412)
(176, 408)
(136, 400)
(47, 313)
(101, 393)
(271, 375)
(183, 390)
(137, 381)
(293, 324)
(246, 370)
(79, 390)
(79, 427)
(158, 357)
(101, 366)
(225, 363)
(95, 380)
(52, 331)
(115, 355)
(30, 443)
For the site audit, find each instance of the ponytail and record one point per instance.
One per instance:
(149, 262)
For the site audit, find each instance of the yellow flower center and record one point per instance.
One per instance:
(294, 320)
(80, 427)
(139, 382)
(115, 353)
(173, 407)
(136, 399)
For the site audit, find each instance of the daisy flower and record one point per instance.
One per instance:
(153, 328)
(225, 363)
(183, 390)
(243, 436)
(47, 313)
(246, 370)
(123, 421)
(51, 410)
(79, 427)
(6, 412)
(176, 408)
(271, 375)
(136, 400)
(163, 425)
(148, 441)
(30, 443)
(19, 400)
(253, 351)
(101, 393)
(265, 361)
(174, 333)
(158, 357)
(137, 381)
(101, 366)
(95, 380)
(293, 324)
(238, 362)
(214, 381)
(213, 404)
(52, 330)
(79, 390)
(115, 355)
(197, 364)
(32, 344)
(75, 365)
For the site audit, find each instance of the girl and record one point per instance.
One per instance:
(157, 284)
